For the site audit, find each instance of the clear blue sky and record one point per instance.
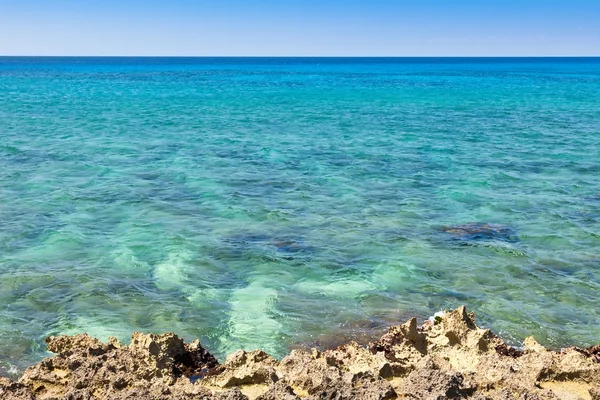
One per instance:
(300, 27)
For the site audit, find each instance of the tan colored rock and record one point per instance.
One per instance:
(432, 383)
(158, 350)
(457, 328)
(308, 373)
(363, 385)
(448, 358)
(148, 368)
(279, 391)
(335, 374)
(403, 346)
(10, 390)
(573, 363)
(78, 343)
(532, 346)
(245, 368)
(356, 359)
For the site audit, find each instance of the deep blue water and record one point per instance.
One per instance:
(272, 202)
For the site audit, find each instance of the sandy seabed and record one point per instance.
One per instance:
(448, 357)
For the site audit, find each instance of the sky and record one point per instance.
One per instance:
(300, 27)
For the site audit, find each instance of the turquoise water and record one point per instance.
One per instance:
(282, 202)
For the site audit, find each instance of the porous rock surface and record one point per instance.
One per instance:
(449, 358)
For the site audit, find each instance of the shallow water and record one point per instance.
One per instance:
(273, 202)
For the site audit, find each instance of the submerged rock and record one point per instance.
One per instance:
(282, 244)
(481, 232)
(361, 331)
(288, 246)
(448, 357)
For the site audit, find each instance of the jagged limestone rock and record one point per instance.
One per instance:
(447, 358)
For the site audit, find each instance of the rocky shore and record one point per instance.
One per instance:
(447, 358)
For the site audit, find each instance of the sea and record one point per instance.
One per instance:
(282, 203)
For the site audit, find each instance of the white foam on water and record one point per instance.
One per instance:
(439, 314)
(12, 369)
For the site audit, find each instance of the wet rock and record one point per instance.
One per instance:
(481, 232)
